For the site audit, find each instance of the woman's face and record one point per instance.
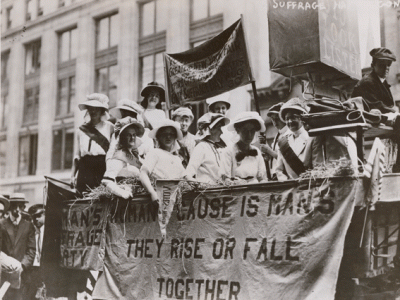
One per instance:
(217, 129)
(185, 122)
(129, 136)
(153, 98)
(293, 121)
(220, 108)
(95, 113)
(166, 137)
(247, 131)
(127, 113)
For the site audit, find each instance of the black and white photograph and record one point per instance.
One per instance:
(200, 150)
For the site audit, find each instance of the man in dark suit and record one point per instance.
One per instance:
(375, 90)
(18, 241)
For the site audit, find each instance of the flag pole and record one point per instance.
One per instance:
(167, 102)
(252, 80)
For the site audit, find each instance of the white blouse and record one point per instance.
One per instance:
(251, 168)
(163, 164)
(205, 163)
(153, 116)
(86, 146)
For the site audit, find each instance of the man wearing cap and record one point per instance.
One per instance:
(291, 154)
(33, 273)
(375, 90)
(272, 152)
(18, 241)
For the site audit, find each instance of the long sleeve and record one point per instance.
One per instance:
(195, 161)
(30, 252)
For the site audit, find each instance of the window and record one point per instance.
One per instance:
(152, 43)
(65, 96)
(9, 16)
(39, 8)
(32, 57)
(31, 105)
(206, 20)
(153, 18)
(107, 33)
(67, 51)
(202, 9)
(3, 158)
(106, 62)
(152, 69)
(106, 83)
(29, 10)
(4, 89)
(68, 45)
(63, 148)
(28, 145)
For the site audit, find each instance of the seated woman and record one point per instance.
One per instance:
(205, 163)
(125, 156)
(242, 160)
(163, 162)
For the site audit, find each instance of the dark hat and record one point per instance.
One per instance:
(274, 109)
(148, 88)
(382, 53)
(6, 195)
(5, 202)
(18, 197)
(36, 209)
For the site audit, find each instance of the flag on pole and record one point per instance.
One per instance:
(216, 66)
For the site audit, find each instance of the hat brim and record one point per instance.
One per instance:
(153, 133)
(272, 113)
(5, 202)
(228, 105)
(231, 126)
(92, 103)
(216, 121)
(136, 125)
(146, 89)
(285, 110)
(116, 111)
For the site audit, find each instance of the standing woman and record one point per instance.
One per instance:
(205, 162)
(163, 162)
(93, 141)
(242, 160)
(154, 95)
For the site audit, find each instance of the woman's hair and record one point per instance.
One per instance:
(237, 126)
(145, 100)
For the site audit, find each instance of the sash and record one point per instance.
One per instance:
(291, 158)
(184, 154)
(96, 136)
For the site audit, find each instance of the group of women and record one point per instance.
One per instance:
(144, 143)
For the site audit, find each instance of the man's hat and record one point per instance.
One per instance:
(36, 209)
(18, 197)
(274, 109)
(5, 202)
(382, 53)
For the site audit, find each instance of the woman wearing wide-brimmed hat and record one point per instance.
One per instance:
(125, 156)
(205, 163)
(163, 162)
(153, 95)
(93, 141)
(242, 160)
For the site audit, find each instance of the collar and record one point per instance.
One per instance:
(283, 129)
(14, 220)
(299, 132)
(381, 79)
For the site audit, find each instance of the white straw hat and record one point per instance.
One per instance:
(166, 123)
(220, 98)
(126, 104)
(247, 116)
(95, 100)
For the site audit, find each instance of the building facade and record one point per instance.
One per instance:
(55, 52)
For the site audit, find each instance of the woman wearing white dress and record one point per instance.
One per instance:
(125, 156)
(163, 162)
(154, 95)
(205, 163)
(242, 160)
